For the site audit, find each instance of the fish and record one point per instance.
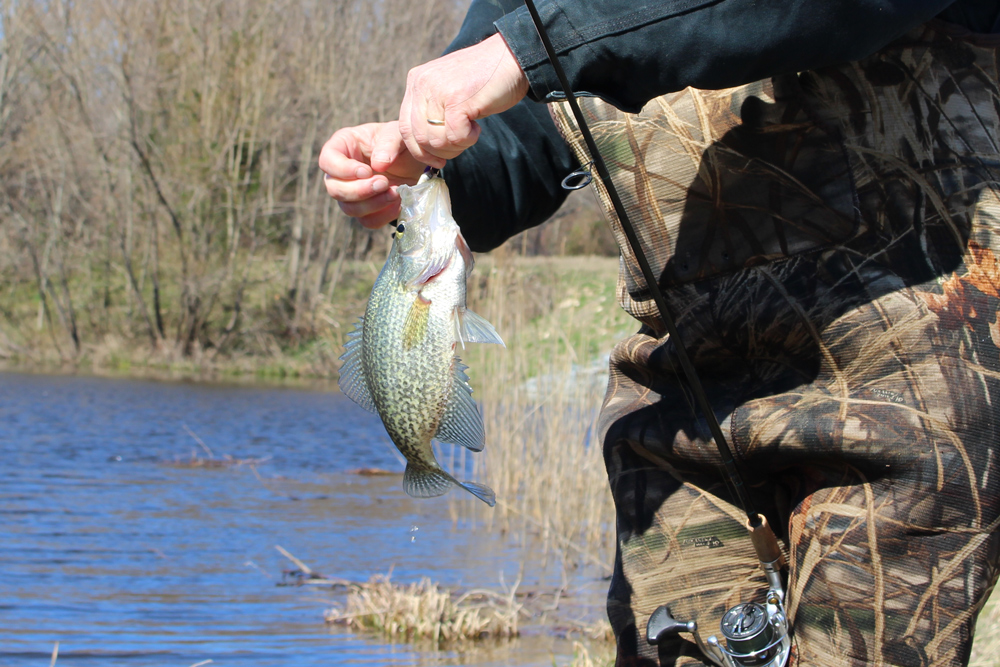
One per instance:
(401, 360)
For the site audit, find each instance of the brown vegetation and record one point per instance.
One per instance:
(154, 154)
(158, 179)
(425, 611)
(540, 398)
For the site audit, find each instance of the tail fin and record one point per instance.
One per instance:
(429, 483)
(481, 491)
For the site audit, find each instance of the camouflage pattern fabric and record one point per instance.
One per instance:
(828, 244)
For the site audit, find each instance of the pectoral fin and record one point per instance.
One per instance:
(462, 424)
(352, 376)
(415, 326)
(473, 328)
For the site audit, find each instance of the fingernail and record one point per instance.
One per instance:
(362, 172)
(326, 176)
(381, 156)
(380, 185)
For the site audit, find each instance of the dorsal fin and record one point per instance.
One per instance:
(352, 374)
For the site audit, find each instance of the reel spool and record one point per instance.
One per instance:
(756, 635)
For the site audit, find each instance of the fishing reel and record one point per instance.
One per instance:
(755, 635)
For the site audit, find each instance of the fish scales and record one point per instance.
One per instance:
(401, 362)
(412, 384)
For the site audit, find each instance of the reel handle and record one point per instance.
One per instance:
(661, 625)
(765, 543)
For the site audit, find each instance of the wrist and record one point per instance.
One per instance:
(510, 69)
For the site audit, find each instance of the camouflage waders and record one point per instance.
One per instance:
(828, 243)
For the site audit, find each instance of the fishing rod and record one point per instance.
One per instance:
(652, 284)
(756, 634)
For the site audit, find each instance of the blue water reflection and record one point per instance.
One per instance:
(115, 547)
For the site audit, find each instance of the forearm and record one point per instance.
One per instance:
(510, 179)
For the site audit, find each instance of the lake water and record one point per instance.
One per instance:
(113, 546)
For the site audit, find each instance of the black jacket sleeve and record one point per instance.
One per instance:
(667, 45)
(510, 179)
(630, 51)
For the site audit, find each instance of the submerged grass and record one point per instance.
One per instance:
(425, 611)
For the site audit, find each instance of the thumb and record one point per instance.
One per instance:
(387, 147)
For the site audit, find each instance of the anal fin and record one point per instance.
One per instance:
(426, 482)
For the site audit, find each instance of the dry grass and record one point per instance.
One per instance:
(986, 647)
(540, 397)
(603, 655)
(425, 611)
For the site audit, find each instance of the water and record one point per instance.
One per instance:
(115, 547)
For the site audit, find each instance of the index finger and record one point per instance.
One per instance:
(356, 189)
(339, 157)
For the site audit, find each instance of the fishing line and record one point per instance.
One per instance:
(652, 284)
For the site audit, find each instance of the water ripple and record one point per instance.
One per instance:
(122, 550)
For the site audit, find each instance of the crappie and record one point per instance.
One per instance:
(400, 360)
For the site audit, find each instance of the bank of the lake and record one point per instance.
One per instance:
(265, 348)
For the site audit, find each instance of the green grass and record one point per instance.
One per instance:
(115, 339)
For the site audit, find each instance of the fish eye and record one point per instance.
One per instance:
(400, 228)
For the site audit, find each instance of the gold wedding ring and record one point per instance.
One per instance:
(433, 121)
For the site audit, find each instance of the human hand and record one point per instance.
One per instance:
(364, 165)
(458, 88)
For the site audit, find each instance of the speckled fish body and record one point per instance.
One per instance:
(401, 360)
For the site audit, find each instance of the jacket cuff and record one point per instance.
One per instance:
(522, 38)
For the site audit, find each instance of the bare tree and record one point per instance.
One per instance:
(157, 158)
